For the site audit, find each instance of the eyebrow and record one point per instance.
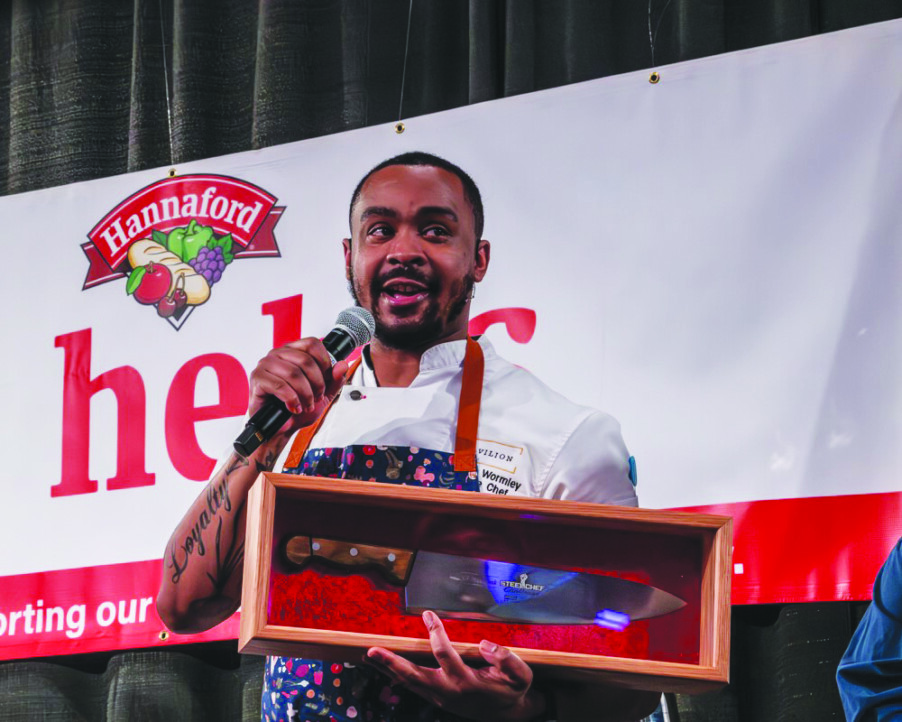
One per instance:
(437, 211)
(392, 213)
(377, 211)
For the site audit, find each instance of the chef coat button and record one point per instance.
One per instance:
(355, 395)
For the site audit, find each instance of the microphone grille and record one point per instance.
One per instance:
(359, 324)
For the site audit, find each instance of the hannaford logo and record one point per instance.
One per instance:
(174, 239)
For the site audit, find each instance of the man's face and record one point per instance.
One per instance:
(413, 257)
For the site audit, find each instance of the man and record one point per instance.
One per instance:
(414, 255)
(870, 673)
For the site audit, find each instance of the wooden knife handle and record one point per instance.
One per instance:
(297, 550)
(394, 564)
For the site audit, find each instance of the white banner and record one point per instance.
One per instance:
(713, 258)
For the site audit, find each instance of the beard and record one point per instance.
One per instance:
(434, 320)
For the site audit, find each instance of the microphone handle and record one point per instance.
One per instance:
(262, 425)
(270, 417)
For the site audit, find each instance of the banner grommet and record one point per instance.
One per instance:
(399, 127)
(654, 78)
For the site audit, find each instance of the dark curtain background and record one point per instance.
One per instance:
(92, 88)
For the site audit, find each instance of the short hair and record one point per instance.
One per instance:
(419, 158)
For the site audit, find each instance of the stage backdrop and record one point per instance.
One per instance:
(712, 255)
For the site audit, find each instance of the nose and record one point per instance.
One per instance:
(406, 248)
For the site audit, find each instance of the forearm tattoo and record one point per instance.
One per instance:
(218, 505)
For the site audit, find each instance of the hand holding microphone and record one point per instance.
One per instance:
(295, 379)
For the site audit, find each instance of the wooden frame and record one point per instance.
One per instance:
(711, 535)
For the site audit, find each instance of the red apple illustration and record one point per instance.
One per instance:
(154, 283)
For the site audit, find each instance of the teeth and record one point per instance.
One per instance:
(404, 289)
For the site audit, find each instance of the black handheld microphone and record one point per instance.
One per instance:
(353, 327)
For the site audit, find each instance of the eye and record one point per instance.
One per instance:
(380, 230)
(435, 232)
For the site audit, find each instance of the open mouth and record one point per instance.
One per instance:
(404, 292)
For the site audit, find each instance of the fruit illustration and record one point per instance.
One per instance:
(166, 306)
(147, 251)
(181, 298)
(177, 269)
(187, 242)
(210, 263)
(175, 301)
(149, 283)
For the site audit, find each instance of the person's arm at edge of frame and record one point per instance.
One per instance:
(202, 564)
(869, 677)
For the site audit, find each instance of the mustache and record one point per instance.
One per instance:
(408, 272)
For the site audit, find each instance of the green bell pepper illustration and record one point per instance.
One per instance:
(187, 242)
(175, 242)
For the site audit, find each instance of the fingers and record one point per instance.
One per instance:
(339, 371)
(512, 669)
(507, 666)
(500, 691)
(299, 374)
(434, 685)
(443, 651)
(398, 669)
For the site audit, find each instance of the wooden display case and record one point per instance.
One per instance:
(323, 612)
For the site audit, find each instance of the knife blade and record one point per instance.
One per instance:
(460, 587)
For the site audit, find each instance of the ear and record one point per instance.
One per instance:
(483, 254)
(346, 245)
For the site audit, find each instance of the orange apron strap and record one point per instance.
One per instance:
(467, 414)
(468, 408)
(303, 437)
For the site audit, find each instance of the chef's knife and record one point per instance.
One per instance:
(483, 589)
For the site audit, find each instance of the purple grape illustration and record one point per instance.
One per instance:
(197, 246)
(210, 263)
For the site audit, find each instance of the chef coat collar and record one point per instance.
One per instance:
(449, 354)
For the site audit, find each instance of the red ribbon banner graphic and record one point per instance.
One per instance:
(228, 205)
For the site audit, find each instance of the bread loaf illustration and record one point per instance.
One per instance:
(145, 251)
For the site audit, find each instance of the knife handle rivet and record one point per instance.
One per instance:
(315, 546)
(391, 557)
(353, 552)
